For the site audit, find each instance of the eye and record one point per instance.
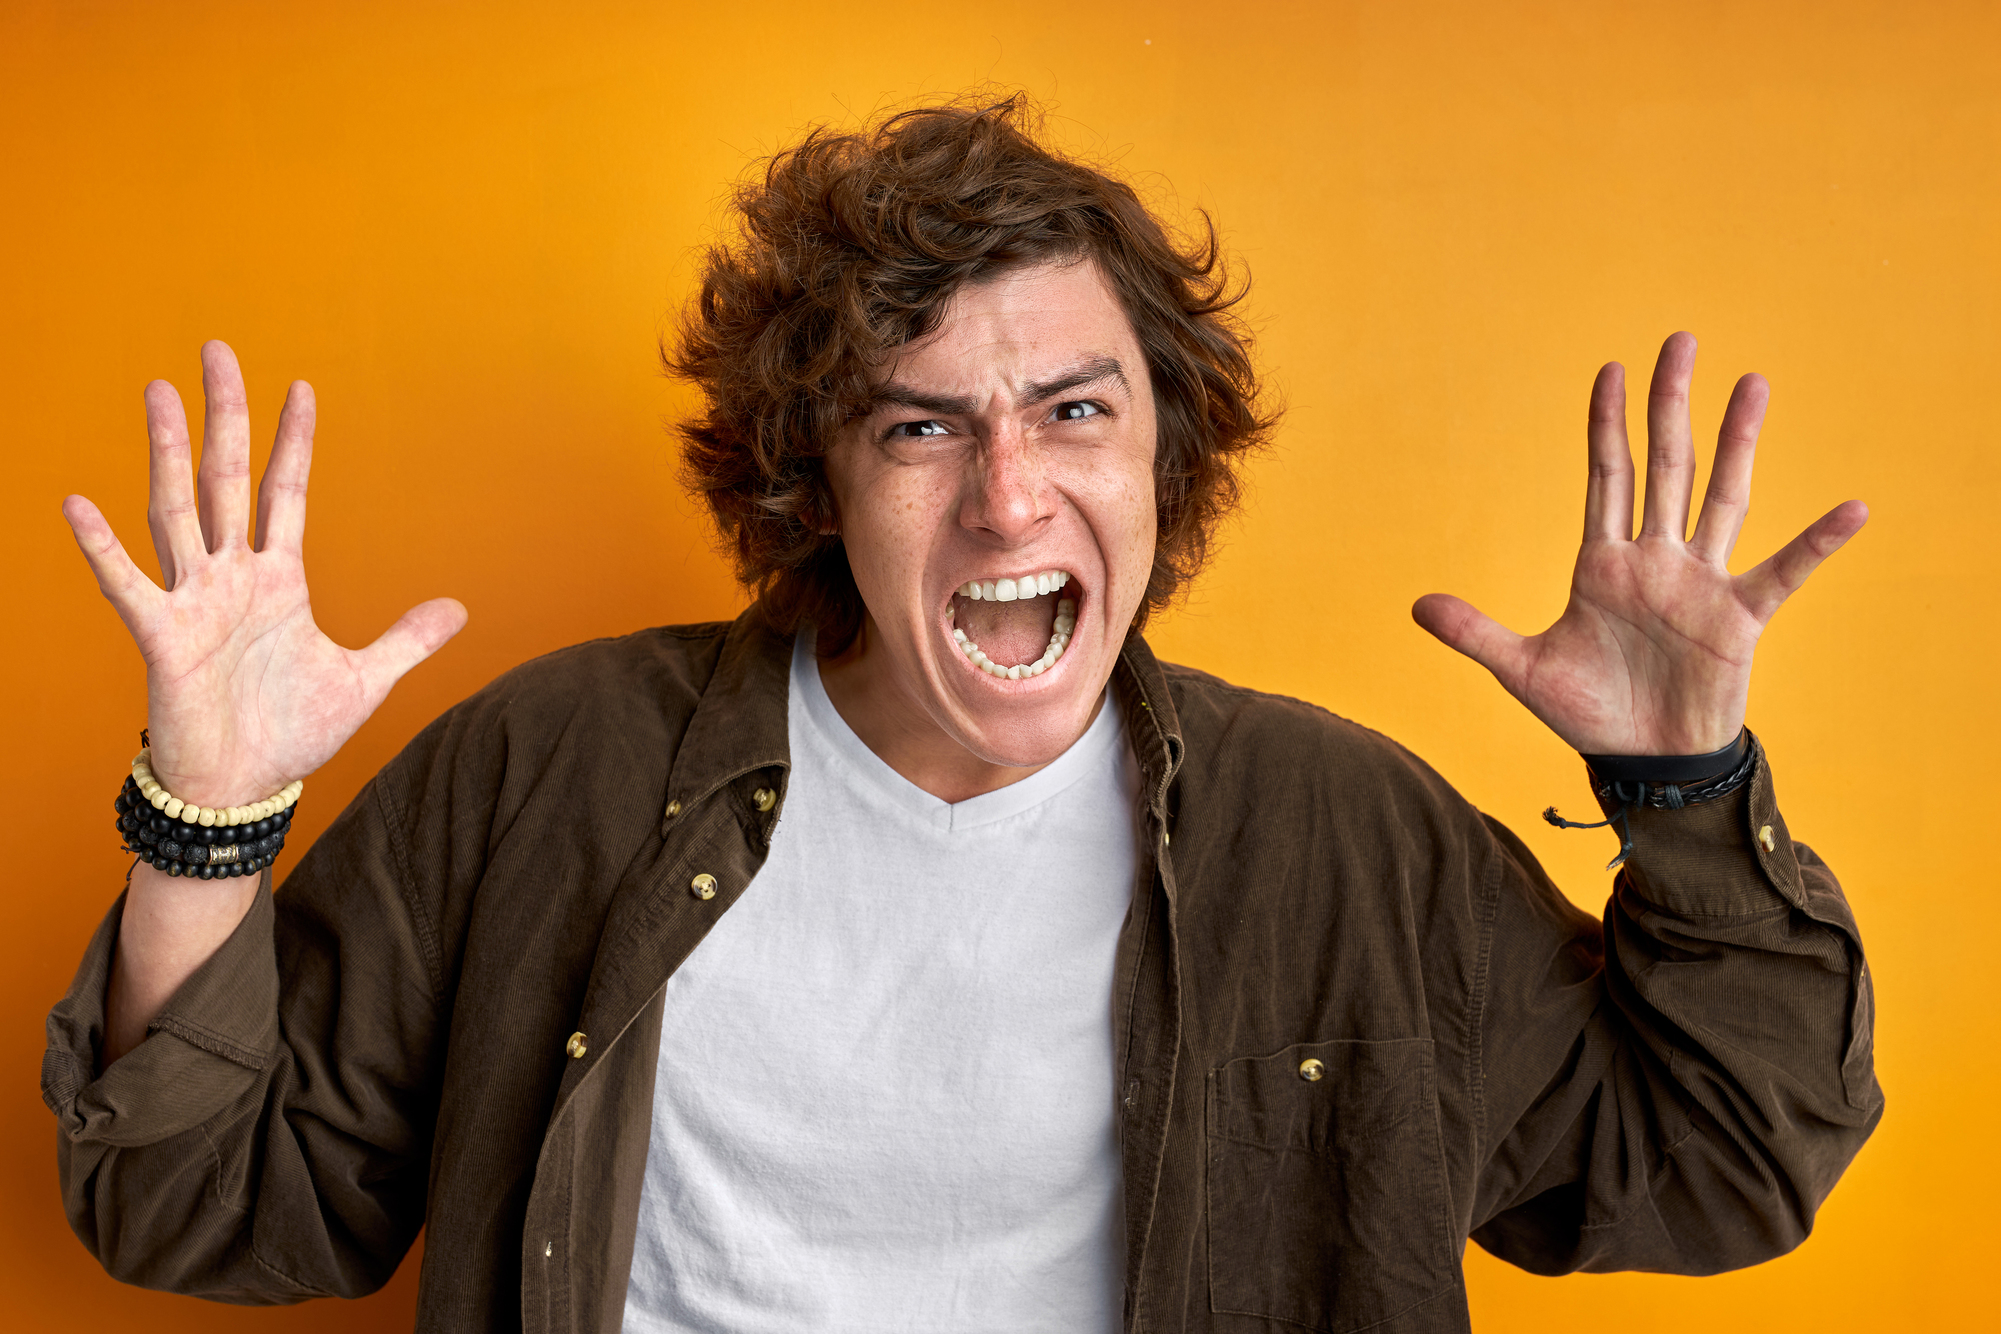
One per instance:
(918, 430)
(1077, 411)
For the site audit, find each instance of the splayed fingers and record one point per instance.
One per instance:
(244, 691)
(1652, 654)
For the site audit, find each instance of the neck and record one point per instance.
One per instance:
(866, 691)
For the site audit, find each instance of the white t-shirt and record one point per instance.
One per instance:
(885, 1098)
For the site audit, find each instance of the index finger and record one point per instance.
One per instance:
(1728, 499)
(1779, 576)
(281, 499)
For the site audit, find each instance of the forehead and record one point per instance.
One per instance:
(1016, 327)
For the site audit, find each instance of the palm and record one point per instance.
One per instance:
(244, 692)
(1652, 655)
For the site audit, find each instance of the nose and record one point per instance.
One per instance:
(1007, 496)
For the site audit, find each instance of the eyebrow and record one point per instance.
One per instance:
(1091, 371)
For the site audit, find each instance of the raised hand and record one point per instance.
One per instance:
(1652, 656)
(244, 694)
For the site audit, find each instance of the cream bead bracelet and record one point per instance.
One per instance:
(208, 816)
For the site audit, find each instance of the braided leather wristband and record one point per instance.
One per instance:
(1670, 782)
(1662, 782)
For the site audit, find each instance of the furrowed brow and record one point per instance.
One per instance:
(1095, 371)
(916, 400)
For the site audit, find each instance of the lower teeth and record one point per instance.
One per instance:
(1059, 640)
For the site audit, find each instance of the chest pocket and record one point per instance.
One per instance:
(1326, 1185)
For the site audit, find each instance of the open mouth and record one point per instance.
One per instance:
(1014, 628)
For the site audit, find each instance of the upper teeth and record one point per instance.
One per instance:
(1009, 590)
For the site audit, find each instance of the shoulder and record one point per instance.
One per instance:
(1219, 717)
(1246, 741)
(633, 673)
(615, 697)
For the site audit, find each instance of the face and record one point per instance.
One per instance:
(998, 512)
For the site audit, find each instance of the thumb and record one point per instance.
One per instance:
(417, 634)
(1462, 626)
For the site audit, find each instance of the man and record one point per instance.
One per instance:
(917, 950)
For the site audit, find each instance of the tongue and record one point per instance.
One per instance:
(1009, 633)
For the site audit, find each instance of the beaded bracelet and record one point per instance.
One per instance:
(176, 809)
(205, 842)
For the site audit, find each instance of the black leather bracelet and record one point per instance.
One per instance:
(1662, 794)
(1678, 769)
(1663, 782)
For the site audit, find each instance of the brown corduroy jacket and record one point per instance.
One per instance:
(385, 1044)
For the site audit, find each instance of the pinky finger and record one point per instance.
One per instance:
(1765, 588)
(123, 583)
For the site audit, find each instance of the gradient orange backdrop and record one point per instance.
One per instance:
(468, 224)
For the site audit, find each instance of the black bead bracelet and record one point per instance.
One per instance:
(208, 852)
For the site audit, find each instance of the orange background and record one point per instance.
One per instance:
(467, 225)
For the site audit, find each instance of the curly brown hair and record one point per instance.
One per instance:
(850, 245)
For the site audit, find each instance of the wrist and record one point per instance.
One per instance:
(1665, 770)
(1665, 789)
(1624, 784)
(182, 838)
(143, 791)
(213, 790)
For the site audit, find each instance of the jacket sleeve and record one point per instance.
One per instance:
(269, 1139)
(1679, 1091)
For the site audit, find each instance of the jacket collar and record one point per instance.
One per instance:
(1152, 724)
(740, 723)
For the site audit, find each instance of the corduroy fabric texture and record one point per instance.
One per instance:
(381, 1045)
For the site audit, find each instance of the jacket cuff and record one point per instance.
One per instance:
(1724, 857)
(210, 1043)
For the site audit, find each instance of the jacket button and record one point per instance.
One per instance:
(577, 1046)
(1765, 837)
(673, 809)
(703, 886)
(764, 798)
(1311, 1070)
